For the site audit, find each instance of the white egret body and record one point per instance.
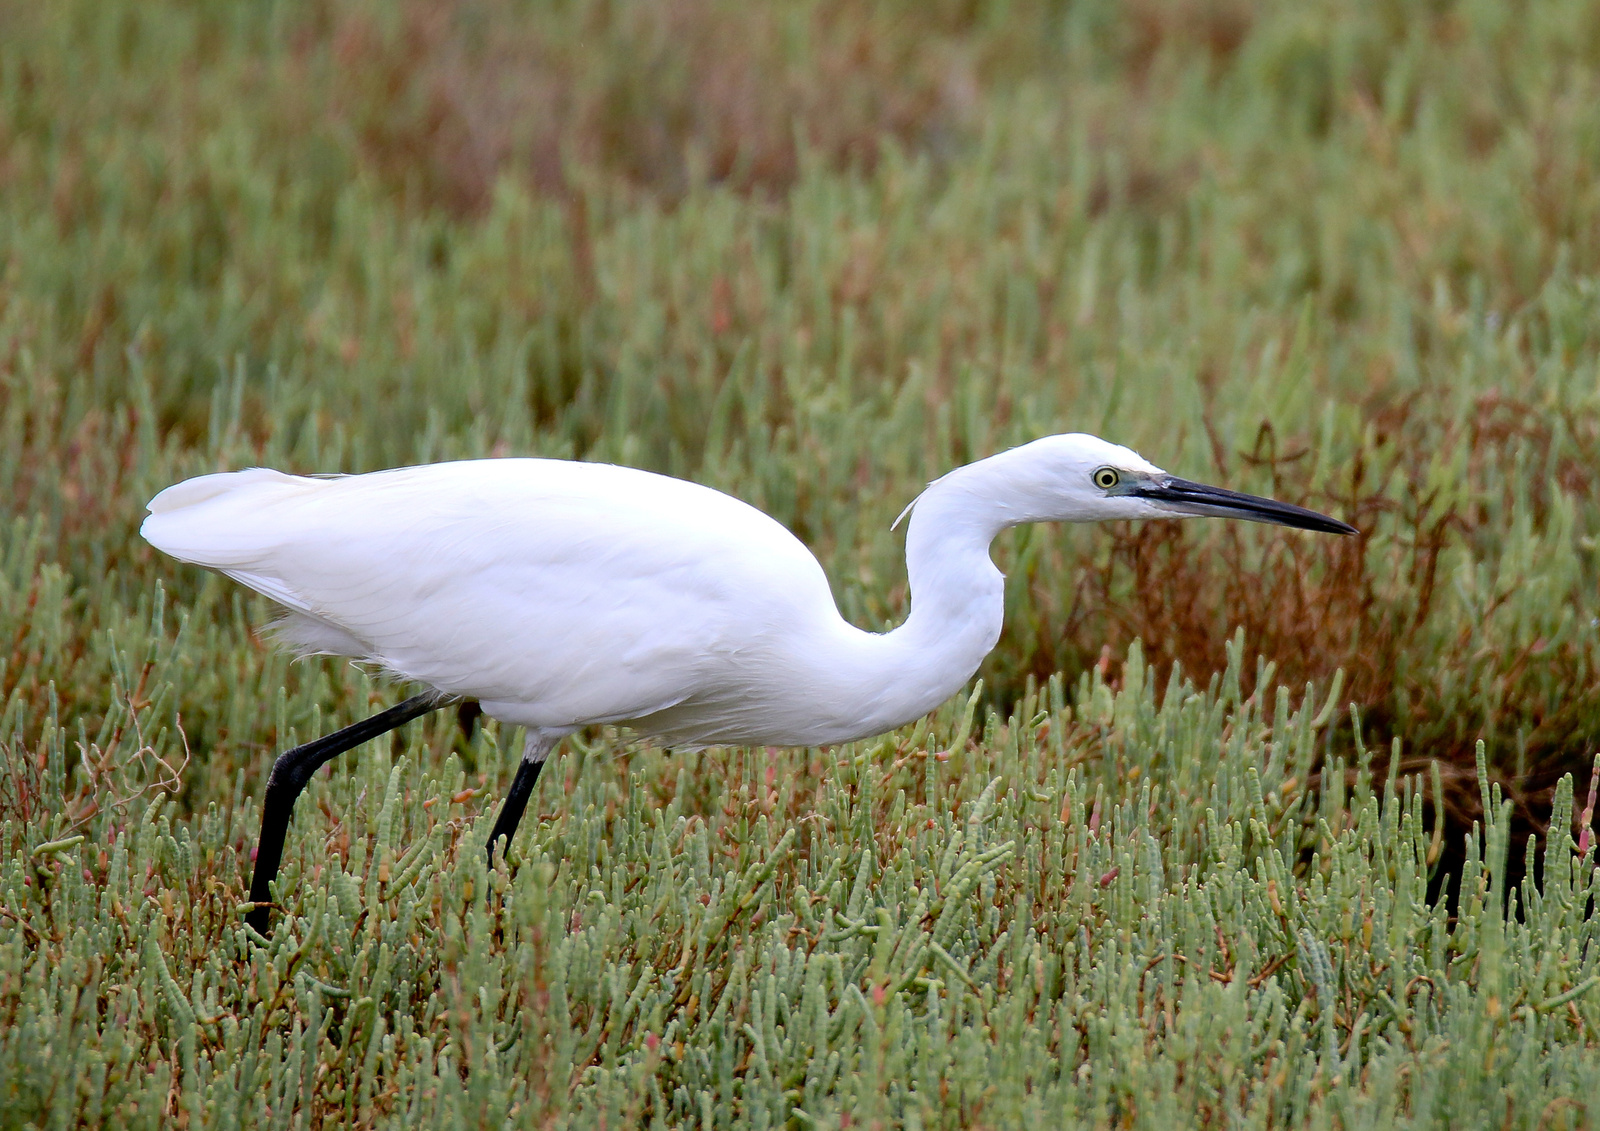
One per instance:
(562, 594)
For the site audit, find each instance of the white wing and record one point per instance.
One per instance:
(557, 593)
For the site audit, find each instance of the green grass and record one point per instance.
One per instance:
(815, 254)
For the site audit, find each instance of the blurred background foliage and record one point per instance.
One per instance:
(815, 254)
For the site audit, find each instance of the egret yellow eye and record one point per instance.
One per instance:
(1106, 478)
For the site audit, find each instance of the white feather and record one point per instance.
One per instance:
(560, 594)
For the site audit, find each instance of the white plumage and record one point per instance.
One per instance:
(560, 594)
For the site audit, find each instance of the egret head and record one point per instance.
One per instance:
(1082, 478)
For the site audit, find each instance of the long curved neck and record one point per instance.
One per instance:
(957, 608)
(957, 594)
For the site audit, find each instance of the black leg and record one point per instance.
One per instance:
(467, 715)
(533, 756)
(292, 771)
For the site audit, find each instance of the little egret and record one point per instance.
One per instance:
(558, 594)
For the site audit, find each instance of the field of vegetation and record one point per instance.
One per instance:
(1242, 827)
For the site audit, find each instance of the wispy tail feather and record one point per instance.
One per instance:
(212, 520)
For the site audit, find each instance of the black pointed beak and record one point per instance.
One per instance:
(1186, 497)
